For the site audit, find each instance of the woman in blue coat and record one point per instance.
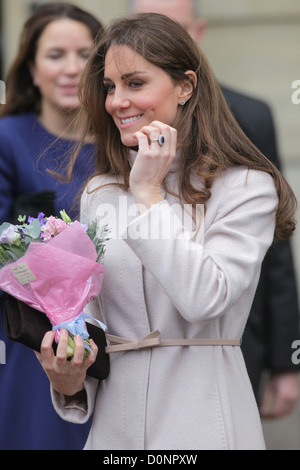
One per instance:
(41, 105)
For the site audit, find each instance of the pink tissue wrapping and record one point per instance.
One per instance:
(67, 273)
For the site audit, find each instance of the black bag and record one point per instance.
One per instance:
(33, 203)
(28, 326)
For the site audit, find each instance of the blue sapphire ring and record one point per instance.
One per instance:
(160, 140)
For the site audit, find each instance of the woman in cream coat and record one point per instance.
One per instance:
(193, 208)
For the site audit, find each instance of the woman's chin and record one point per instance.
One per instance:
(129, 141)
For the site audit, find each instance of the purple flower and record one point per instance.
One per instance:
(40, 218)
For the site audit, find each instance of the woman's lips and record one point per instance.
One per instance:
(128, 121)
(69, 89)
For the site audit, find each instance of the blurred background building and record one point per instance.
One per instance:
(253, 46)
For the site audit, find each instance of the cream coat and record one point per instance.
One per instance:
(195, 397)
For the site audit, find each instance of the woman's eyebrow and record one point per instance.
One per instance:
(126, 75)
(135, 72)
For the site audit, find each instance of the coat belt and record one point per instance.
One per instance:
(154, 340)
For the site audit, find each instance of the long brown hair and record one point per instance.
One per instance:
(22, 96)
(210, 139)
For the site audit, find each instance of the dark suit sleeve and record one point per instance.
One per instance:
(281, 303)
(273, 322)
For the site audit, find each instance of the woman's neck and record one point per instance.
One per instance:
(61, 123)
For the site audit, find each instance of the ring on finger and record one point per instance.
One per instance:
(160, 140)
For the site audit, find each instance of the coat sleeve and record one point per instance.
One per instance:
(78, 408)
(204, 281)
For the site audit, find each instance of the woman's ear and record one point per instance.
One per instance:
(187, 87)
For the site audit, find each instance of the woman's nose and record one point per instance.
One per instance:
(120, 99)
(74, 65)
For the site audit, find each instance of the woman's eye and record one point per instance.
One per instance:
(55, 56)
(85, 55)
(136, 83)
(108, 87)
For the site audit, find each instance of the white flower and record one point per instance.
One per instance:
(10, 235)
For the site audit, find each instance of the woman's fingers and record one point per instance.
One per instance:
(142, 139)
(66, 376)
(161, 140)
(61, 352)
(153, 162)
(47, 354)
(77, 359)
(93, 354)
(46, 345)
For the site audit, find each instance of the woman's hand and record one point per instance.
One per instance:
(280, 395)
(65, 376)
(152, 163)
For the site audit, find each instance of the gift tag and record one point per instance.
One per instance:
(23, 273)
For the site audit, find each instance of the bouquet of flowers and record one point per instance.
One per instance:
(55, 266)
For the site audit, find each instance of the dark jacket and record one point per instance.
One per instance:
(273, 323)
(27, 150)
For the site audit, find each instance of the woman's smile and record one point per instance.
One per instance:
(129, 121)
